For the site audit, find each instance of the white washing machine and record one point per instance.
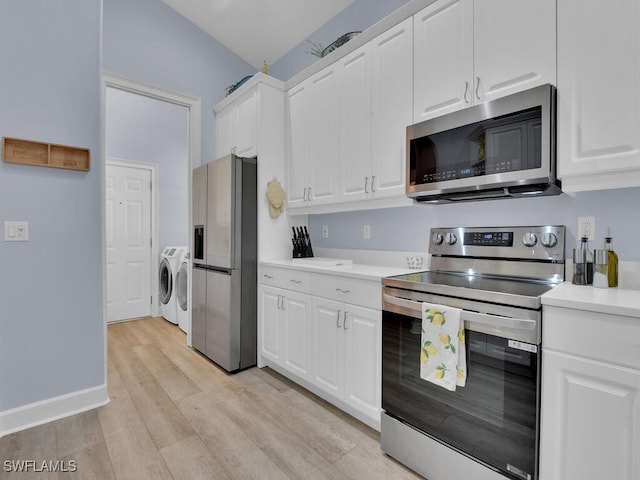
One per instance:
(183, 305)
(169, 264)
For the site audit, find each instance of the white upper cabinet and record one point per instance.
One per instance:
(224, 131)
(355, 122)
(375, 110)
(467, 52)
(598, 100)
(392, 105)
(312, 142)
(443, 58)
(297, 146)
(245, 131)
(323, 136)
(514, 46)
(347, 126)
(236, 127)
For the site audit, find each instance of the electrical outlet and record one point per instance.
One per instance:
(325, 231)
(16, 231)
(366, 232)
(586, 227)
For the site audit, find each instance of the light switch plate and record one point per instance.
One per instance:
(16, 231)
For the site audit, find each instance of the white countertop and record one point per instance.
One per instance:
(612, 301)
(355, 270)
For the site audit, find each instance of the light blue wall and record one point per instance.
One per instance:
(144, 129)
(358, 16)
(51, 324)
(147, 41)
(407, 229)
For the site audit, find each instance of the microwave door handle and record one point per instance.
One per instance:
(414, 309)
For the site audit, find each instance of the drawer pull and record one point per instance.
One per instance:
(342, 291)
(338, 319)
(296, 281)
(267, 276)
(345, 320)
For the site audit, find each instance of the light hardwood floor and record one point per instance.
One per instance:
(175, 415)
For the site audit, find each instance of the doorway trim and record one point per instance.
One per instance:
(154, 263)
(194, 107)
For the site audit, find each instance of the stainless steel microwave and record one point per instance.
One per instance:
(498, 149)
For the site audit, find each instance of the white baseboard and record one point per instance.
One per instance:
(45, 411)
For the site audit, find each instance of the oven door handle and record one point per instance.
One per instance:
(467, 316)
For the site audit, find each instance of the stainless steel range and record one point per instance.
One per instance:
(488, 429)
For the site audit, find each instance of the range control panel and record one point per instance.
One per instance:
(529, 243)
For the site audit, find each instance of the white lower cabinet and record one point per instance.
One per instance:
(347, 358)
(296, 329)
(321, 340)
(286, 329)
(590, 420)
(590, 415)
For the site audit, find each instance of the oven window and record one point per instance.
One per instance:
(498, 145)
(492, 419)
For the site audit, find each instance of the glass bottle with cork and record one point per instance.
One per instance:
(583, 264)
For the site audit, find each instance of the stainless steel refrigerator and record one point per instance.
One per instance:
(224, 276)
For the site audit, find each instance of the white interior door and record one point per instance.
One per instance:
(128, 232)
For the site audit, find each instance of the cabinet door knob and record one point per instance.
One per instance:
(338, 319)
(466, 90)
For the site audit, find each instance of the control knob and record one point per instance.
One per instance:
(437, 238)
(549, 240)
(451, 238)
(529, 239)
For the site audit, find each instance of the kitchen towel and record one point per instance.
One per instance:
(443, 359)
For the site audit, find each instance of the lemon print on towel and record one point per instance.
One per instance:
(445, 339)
(428, 350)
(436, 316)
(441, 371)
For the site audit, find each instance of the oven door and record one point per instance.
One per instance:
(492, 419)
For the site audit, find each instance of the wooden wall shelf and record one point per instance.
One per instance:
(27, 152)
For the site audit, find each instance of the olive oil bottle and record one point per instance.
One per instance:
(612, 262)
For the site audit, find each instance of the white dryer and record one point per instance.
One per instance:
(183, 305)
(169, 264)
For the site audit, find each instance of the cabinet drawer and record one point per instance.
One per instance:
(366, 293)
(295, 280)
(608, 338)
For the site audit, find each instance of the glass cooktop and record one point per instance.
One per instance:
(487, 289)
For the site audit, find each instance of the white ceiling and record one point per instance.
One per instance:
(259, 30)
